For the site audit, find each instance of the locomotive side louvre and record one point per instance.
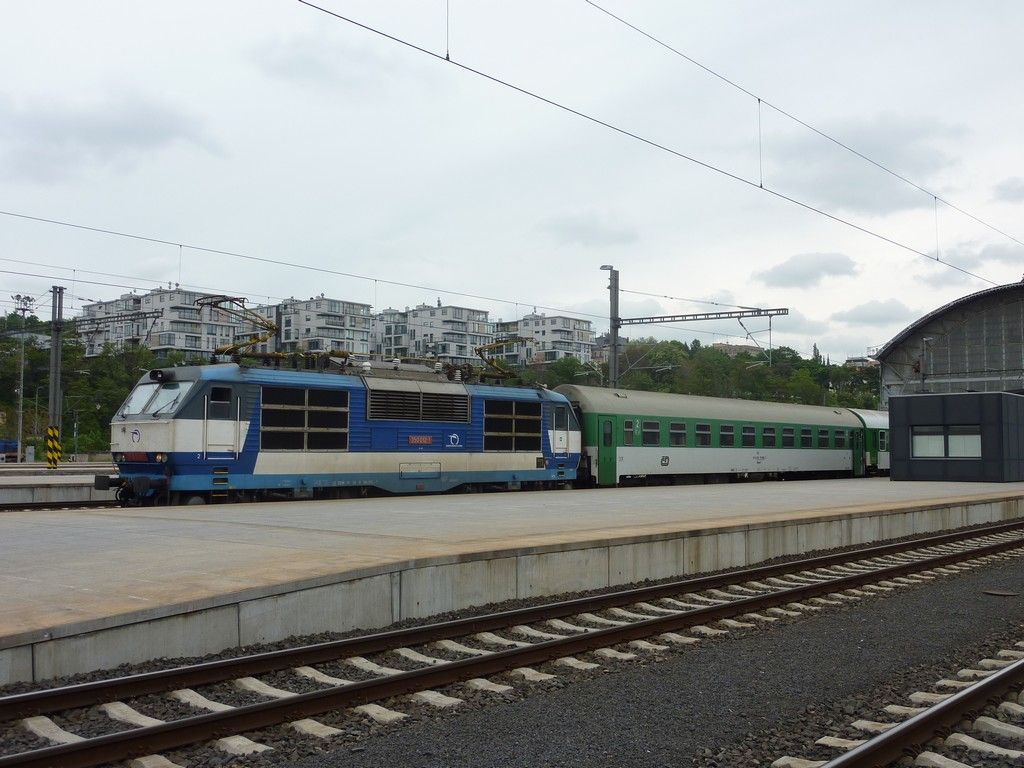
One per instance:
(240, 433)
(632, 437)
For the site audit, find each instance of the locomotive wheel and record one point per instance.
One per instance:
(195, 499)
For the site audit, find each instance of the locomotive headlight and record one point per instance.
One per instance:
(161, 457)
(118, 458)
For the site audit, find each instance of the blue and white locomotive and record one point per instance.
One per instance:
(224, 432)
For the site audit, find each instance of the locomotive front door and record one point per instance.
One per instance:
(606, 454)
(220, 425)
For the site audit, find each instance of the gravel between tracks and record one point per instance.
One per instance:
(740, 702)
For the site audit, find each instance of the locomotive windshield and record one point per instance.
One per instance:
(154, 399)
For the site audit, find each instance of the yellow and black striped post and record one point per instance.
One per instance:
(54, 453)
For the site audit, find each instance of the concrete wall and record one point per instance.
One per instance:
(423, 588)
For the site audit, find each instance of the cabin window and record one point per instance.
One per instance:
(703, 434)
(823, 438)
(677, 433)
(219, 406)
(511, 425)
(788, 437)
(927, 442)
(651, 433)
(806, 436)
(768, 437)
(883, 440)
(727, 435)
(748, 436)
(964, 442)
(840, 438)
(560, 418)
(295, 419)
(627, 432)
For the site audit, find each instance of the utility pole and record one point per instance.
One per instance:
(21, 304)
(613, 325)
(53, 447)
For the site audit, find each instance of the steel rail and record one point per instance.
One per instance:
(32, 506)
(97, 692)
(893, 744)
(141, 741)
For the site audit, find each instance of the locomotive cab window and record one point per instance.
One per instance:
(747, 436)
(788, 437)
(823, 438)
(560, 417)
(768, 437)
(677, 433)
(726, 435)
(703, 434)
(651, 433)
(219, 405)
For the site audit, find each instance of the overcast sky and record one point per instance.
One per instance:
(274, 130)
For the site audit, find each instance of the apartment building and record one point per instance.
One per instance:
(320, 324)
(446, 332)
(165, 320)
(551, 338)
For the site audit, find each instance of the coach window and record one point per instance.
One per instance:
(823, 438)
(840, 438)
(727, 435)
(677, 433)
(607, 434)
(747, 436)
(651, 433)
(806, 438)
(627, 432)
(788, 437)
(703, 434)
(768, 437)
(220, 403)
(883, 440)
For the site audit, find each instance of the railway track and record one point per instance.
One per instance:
(611, 627)
(942, 720)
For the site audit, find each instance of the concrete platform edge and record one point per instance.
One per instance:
(377, 596)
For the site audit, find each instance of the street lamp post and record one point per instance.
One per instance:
(613, 325)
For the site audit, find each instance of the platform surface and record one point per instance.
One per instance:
(66, 568)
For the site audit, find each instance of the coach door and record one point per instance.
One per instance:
(858, 453)
(606, 458)
(560, 430)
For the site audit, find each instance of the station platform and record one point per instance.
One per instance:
(85, 590)
(31, 484)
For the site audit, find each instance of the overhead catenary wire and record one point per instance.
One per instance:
(637, 137)
(761, 100)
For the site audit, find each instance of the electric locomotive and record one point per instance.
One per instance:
(225, 432)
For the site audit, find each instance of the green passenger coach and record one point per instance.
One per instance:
(636, 438)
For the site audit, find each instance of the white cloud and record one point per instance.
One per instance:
(806, 270)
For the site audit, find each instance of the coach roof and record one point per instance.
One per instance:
(634, 403)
